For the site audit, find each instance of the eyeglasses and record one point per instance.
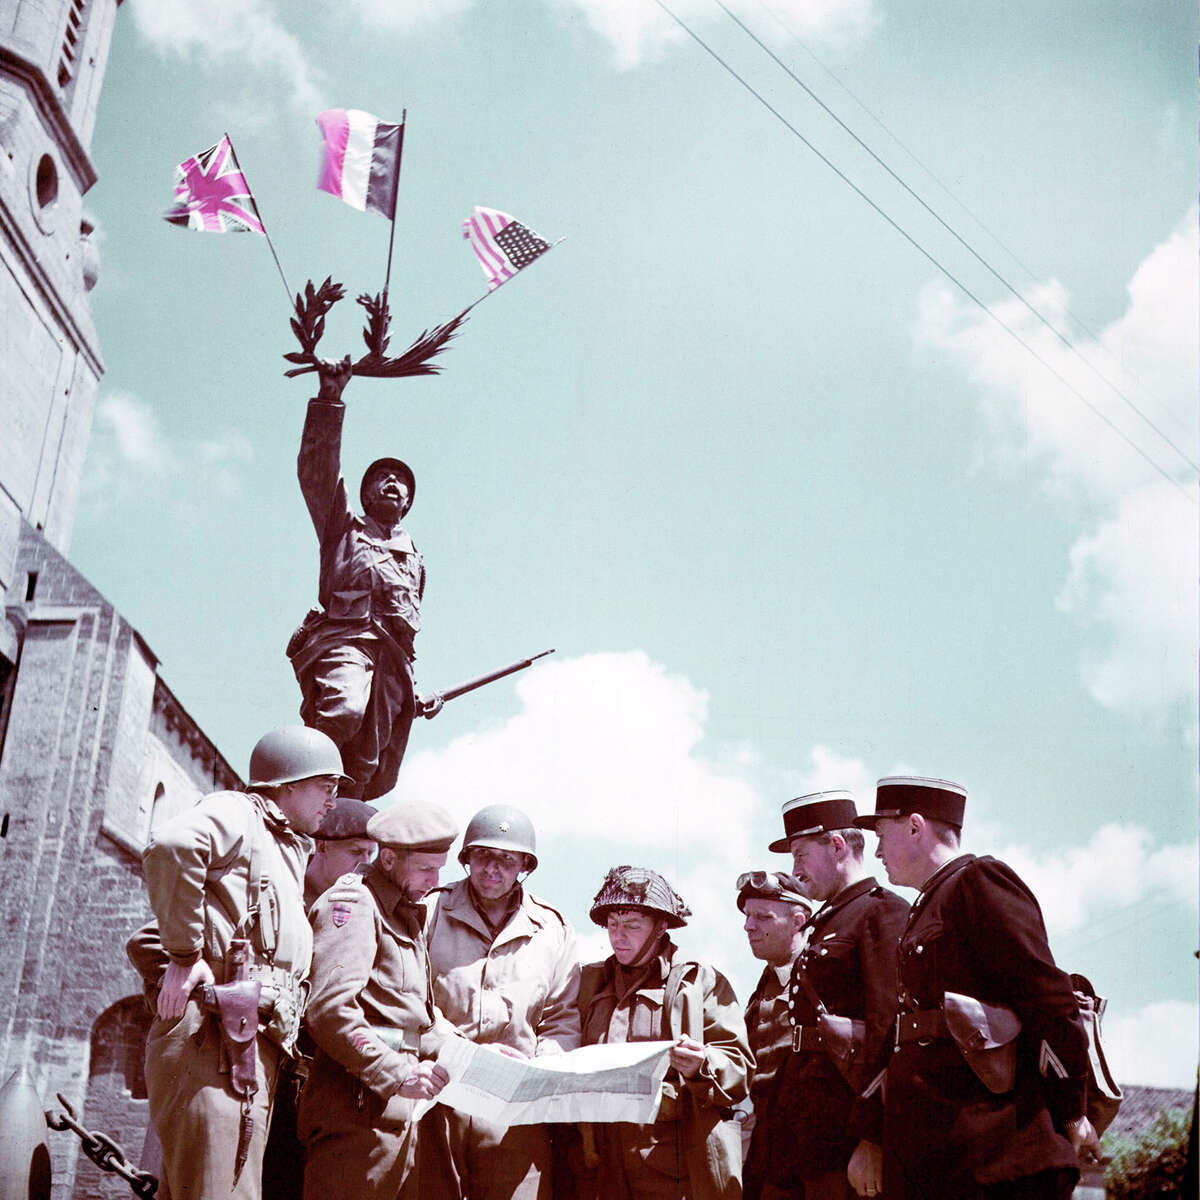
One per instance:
(771, 885)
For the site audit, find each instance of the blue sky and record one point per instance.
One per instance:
(793, 510)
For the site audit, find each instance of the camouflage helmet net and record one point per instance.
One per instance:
(642, 889)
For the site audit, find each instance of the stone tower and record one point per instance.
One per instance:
(52, 59)
(95, 748)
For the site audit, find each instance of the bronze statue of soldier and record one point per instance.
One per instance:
(353, 655)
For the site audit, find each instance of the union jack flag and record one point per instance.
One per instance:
(211, 194)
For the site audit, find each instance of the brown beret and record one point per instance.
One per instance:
(414, 825)
(347, 819)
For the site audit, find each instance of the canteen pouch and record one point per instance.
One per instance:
(986, 1036)
(1104, 1095)
(843, 1039)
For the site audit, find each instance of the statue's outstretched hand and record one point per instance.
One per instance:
(334, 376)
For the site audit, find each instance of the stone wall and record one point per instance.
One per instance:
(93, 736)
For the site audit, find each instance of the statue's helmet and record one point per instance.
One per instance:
(641, 889)
(293, 753)
(500, 827)
(388, 464)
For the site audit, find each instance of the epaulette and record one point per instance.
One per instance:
(348, 887)
(548, 907)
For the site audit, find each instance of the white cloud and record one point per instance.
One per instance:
(1134, 580)
(607, 755)
(1089, 890)
(1132, 577)
(218, 30)
(408, 16)
(638, 30)
(130, 458)
(1156, 1046)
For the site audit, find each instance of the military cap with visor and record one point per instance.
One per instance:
(500, 827)
(642, 890)
(816, 812)
(292, 753)
(414, 825)
(770, 885)
(347, 819)
(381, 465)
(901, 795)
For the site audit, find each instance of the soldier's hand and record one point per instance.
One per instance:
(865, 1169)
(687, 1057)
(178, 984)
(425, 1082)
(1084, 1140)
(430, 706)
(334, 376)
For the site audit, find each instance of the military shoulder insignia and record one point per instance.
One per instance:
(339, 911)
(1049, 1063)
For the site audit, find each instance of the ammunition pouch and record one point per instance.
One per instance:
(298, 640)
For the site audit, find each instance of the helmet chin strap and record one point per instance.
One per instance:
(644, 955)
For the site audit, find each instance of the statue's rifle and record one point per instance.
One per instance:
(430, 705)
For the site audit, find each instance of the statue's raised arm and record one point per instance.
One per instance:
(353, 654)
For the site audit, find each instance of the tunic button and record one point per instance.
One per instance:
(823, 952)
(920, 949)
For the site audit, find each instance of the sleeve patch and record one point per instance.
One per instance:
(1049, 1063)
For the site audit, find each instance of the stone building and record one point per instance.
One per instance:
(94, 746)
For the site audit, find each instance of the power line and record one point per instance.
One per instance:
(952, 231)
(946, 190)
(922, 251)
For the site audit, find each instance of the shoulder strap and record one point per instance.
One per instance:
(801, 977)
(690, 1018)
(254, 877)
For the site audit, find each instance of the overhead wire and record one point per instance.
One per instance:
(1033, 309)
(924, 252)
(839, 83)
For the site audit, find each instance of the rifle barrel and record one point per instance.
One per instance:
(469, 685)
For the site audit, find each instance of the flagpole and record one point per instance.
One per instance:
(258, 208)
(387, 278)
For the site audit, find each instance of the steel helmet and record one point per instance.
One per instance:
(293, 753)
(500, 827)
(642, 889)
(389, 464)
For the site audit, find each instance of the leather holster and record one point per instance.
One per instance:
(843, 1039)
(235, 1005)
(986, 1036)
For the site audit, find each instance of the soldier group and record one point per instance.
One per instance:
(305, 987)
(928, 1052)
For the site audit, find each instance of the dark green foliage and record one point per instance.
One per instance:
(1149, 1165)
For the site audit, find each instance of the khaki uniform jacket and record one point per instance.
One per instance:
(370, 1008)
(519, 990)
(197, 868)
(706, 1009)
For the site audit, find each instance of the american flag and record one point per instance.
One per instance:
(212, 194)
(502, 245)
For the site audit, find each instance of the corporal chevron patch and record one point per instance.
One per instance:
(1049, 1063)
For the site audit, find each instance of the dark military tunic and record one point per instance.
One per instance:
(850, 960)
(353, 655)
(770, 1034)
(976, 929)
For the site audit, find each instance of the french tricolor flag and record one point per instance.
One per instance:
(362, 159)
